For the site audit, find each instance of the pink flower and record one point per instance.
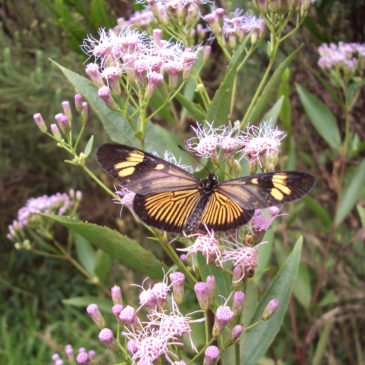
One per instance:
(262, 141)
(208, 245)
(206, 141)
(222, 316)
(124, 197)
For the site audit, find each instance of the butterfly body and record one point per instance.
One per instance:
(172, 199)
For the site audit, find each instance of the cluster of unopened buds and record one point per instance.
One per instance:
(259, 145)
(132, 58)
(62, 128)
(157, 333)
(27, 217)
(346, 58)
(283, 6)
(232, 28)
(82, 357)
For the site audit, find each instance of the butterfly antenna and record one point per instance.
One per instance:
(194, 157)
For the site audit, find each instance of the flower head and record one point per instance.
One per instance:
(206, 140)
(208, 245)
(211, 354)
(124, 197)
(262, 144)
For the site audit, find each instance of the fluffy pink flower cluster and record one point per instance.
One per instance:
(143, 59)
(257, 143)
(342, 55)
(234, 26)
(153, 337)
(59, 203)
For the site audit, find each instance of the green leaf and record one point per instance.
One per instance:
(194, 109)
(327, 86)
(189, 89)
(350, 193)
(353, 88)
(329, 299)
(121, 247)
(361, 212)
(89, 146)
(270, 87)
(322, 343)
(274, 112)
(260, 337)
(115, 124)
(156, 101)
(102, 265)
(321, 117)
(319, 210)
(223, 281)
(85, 253)
(264, 253)
(219, 107)
(302, 288)
(105, 305)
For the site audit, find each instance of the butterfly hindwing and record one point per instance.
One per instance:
(168, 210)
(141, 171)
(223, 214)
(268, 189)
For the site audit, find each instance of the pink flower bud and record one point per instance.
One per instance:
(236, 332)
(128, 315)
(132, 346)
(202, 294)
(116, 294)
(55, 131)
(211, 354)
(95, 314)
(40, 122)
(83, 358)
(107, 337)
(63, 123)
(92, 70)
(222, 316)
(67, 109)
(177, 280)
(270, 309)
(84, 111)
(210, 280)
(78, 102)
(116, 309)
(105, 94)
(237, 302)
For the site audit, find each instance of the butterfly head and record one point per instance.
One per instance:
(208, 185)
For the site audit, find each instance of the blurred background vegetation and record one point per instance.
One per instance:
(35, 322)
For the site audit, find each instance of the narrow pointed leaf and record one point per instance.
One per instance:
(351, 193)
(260, 337)
(321, 117)
(220, 105)
(119, 246)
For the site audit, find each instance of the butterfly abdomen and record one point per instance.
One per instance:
(195, 218)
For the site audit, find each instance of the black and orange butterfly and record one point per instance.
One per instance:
(172, 199)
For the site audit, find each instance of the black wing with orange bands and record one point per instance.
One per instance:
(168, 210)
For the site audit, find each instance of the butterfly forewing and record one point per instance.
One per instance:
(268, 189)
(142, 172)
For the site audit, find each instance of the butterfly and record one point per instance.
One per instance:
(174, 200)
